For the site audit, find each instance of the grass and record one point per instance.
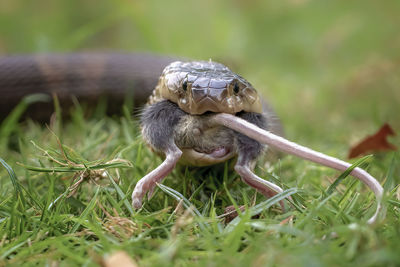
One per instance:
(332, 75)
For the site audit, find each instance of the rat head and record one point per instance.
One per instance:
(201, 86)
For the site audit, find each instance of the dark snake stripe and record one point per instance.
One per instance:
(86, 76)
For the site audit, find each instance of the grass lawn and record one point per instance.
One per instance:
(331, 69)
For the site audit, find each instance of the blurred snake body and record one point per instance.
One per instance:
(86, 76)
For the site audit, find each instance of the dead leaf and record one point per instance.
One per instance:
(118, 259)
(230, 213)
(374, 143)
(287, 220)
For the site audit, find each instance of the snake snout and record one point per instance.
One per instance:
(216, 95)
(199, 93)
(207, 104)
(209, 99)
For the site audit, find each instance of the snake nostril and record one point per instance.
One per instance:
(184, 85)
(236, 88)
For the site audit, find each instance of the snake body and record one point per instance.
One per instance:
(86, 76)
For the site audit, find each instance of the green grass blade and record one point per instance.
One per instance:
(121, 194)
(10, 123)
(89, 208)
(186, 203)
(14, 181)
(346, 173)
(257, 209)
(391, 179)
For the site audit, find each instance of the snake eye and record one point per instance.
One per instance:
(184, 86)
(236, 88)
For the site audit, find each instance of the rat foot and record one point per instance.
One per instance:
(148, 182)
(266, 188)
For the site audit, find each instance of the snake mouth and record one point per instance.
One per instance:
(196, 157)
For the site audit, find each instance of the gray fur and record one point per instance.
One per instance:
(158, 122)
(195, 131)
(163, 124)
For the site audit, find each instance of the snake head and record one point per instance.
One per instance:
(205, 86)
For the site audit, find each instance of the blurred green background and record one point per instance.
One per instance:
(331, 69)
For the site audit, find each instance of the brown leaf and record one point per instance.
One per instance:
(230, 213)
(287, 220)
(374, 143)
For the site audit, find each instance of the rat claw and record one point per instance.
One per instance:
(266, 188)
(149, 182)
(137, 195)
(151, 191)
(137, 203)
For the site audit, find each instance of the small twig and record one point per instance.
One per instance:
(73, 188)
(91, 175)
(61, 147)
(289, 147)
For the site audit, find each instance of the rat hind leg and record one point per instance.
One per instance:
(158, 122)
(248, 152)
(148, 182)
